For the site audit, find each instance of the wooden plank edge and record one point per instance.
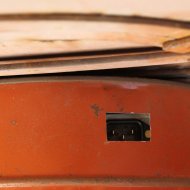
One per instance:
(87, 64)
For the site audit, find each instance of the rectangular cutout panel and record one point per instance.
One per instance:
(128, 126)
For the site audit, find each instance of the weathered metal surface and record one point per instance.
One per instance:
(56, 129)
(94, 183)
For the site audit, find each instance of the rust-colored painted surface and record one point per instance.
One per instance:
(103, 188)
(58, 129)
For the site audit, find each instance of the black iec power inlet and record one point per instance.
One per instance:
(129, 128)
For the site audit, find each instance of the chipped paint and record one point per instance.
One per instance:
(96, 109)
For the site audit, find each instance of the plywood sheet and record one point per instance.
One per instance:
(172, 9)
(43, 37)
(57, 65)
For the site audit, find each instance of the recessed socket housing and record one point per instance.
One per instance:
(128, 126)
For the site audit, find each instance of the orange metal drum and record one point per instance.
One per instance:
(53, 134)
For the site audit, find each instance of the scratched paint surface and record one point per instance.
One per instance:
(59, 129)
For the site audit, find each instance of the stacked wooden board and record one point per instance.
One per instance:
(40, 37)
